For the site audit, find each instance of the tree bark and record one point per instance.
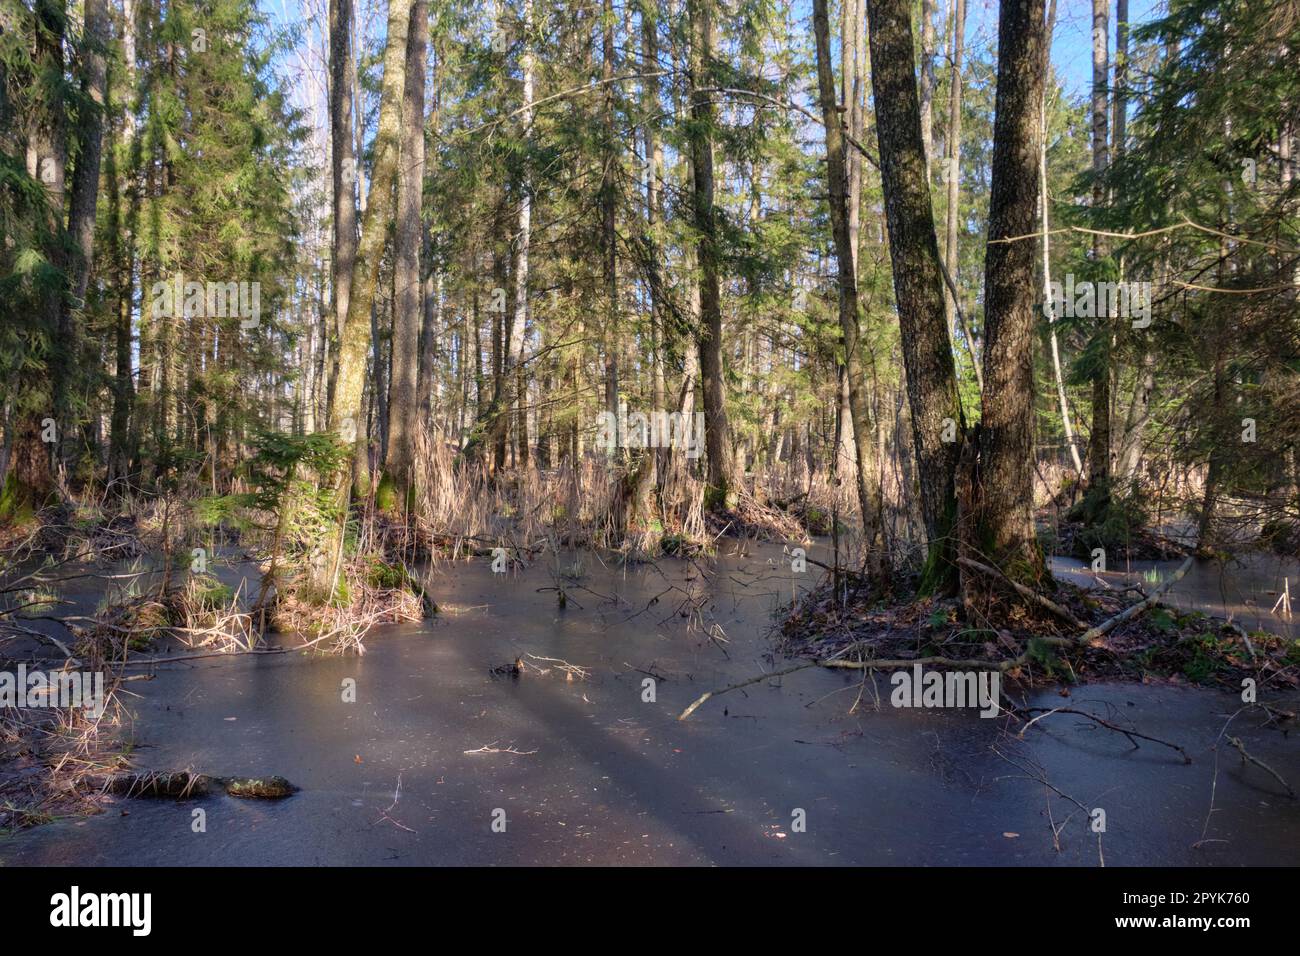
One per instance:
(868, 485)
(346, 412)
(1099, 439)
(81, 217)
(952, 173)
(918, 282)
(722, 477)
(927, 82)
(403, 407)
(1006, 449)
(343, 170)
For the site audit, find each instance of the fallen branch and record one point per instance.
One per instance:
(1247, 757)
(745, 683)
(1130, 734)
(1131, 612)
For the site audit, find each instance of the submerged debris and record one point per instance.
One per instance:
(1128, 636)
(186, 785)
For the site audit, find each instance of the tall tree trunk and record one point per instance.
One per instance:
(403, 406)
(346, 411)
(722, 476)
(609, 234)
(47, 161)
(1044, 211)
(952, 170)
(927, 82)
(868, 485)
(1099, 439)
(1006, 467)
(122, 251)
(654, 177)
(81, 216)
(918, 282)
(343, 170)
(523, 242)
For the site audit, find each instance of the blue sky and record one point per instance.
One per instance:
(1072, 42)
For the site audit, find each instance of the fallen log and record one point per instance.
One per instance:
(185, 785)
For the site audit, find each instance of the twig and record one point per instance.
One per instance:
(1245, 756)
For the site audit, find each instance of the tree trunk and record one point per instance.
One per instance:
(918, 282)
(81, 217)
(927, 82)
(952, 171)
(868, 486)
(1006, 468)
(722, 476)
(346, 412)
(1099, 440)
(403, 406)
(1043, 200)
(609, 234)
(343, 167)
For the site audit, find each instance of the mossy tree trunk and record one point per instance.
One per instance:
(1006, 447)
(346, 415)
(918, 282)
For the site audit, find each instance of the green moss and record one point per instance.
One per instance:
(266, 788)
(386, 494)
(390, 576)
(15, 502)
(673, 543)
(1206, 659)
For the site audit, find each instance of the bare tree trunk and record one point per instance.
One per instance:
(918, 282)
(952, 172)
(1043, 200)
(343, 168)
(609, 233)
(927, 82)
(1099, 440)
(346, 411)
(654, 177)
(722, 476)
(403, 406)
(868, 485)
(81, 217)
(122, 253)
(1006, 467)
(523, 239)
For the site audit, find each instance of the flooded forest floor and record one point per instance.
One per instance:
(518, 727)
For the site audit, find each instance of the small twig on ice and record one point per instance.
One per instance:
(1245, 756)
(491, 749)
